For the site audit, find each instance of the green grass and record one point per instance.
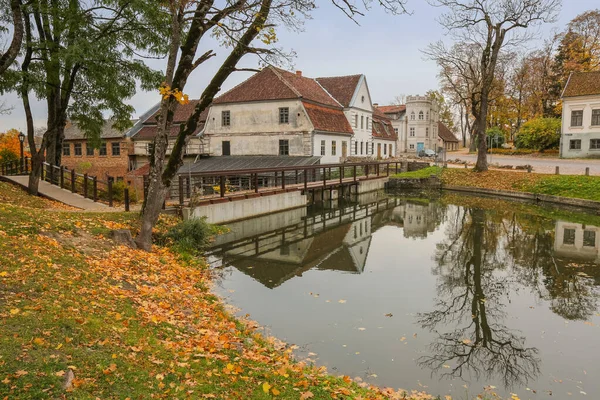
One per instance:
(422, 173)
(573, 186)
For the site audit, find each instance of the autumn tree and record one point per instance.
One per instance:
(445, 111)
(11, 15)
(78, 58)
(10, 146)
(490, 26)
(244, 27)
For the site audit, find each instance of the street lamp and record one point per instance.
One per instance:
(21, 142)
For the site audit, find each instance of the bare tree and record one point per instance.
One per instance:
(238, 24)
(11, 53)
(489, 26)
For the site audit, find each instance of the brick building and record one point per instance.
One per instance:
(110, 159)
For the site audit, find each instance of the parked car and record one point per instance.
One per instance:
(427, 153)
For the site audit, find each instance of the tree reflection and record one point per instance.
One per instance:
(470, 299)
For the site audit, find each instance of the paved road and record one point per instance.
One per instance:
(64, 196)
(539, 164)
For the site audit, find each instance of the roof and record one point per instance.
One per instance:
(392, 109)
(182, 112)
(327, 119)
(231, 163)
(276, 84)
(148, 128)
(446, 134)
(582, 84)
(342, 88)
(381, 126)
(141, 171)
(72, 131)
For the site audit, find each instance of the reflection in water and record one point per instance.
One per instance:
(470, 302)
(490, 270)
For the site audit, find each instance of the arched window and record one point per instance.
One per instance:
(412, 116)
(427, 116)
(420, 115)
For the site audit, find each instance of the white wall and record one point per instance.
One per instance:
(329, 158)
(584, 132)
(361, 109)
(385, 153)
(425, 129)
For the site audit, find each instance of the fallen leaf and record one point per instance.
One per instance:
(266, 387)
(306, 395)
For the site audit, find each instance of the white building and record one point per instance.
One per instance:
(577, 240)
(580, 134)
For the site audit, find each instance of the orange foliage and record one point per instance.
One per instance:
(10, 140)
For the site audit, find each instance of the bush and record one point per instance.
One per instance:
(7, 155)
(190, 236)
(539, 134)
(118, 188)
(495, 137)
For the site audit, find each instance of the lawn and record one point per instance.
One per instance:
(422, 173)
(573, 186)
(83, 318)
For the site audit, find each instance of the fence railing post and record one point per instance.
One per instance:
(85, 185)
(354, 173)
(51, 169)
(73, 181)
(110, 191)
(341, 174)
(126, 198)
(256, 182)
(557, 170)
(62, 176)
(95, 187)
(587, 171)
(283, 179)
(305, 181)
(222, 185)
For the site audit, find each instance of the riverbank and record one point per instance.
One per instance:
(84, 318)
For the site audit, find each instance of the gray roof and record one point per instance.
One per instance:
(231, 163)
(72, 132)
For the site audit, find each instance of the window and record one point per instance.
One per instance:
(391, 148)
(356, 120)
(427, 117)
(362, 99)
(589, 238)
(412, 116)
(420, 115)
(412, 146)
(322, 147)
(367, 126)
(577, 118)
(333, 147)
(77, 147)
(102, 149)
(284, 147)
(226, 147)
(284, 115)
(362, 122)
(66, 149)
(427, 132)
(569, 237)
(115, 149)
(595, 117)
(396, 131)
(575, 144)
(594, 144)
(225, 118)
(412, 132)
(361, 148)
(384, 149)
(355, 148)
(89, 150)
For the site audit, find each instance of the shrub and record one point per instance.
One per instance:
(190, 236)
(7, 155)
(539, 134)
(83, 167)
(118, 188)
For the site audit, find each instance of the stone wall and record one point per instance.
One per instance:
(97, 165)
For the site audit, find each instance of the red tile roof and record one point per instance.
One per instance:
(276, 84)
(342, 88)
(582, 84)
(182, 113)
(392, 109)
(382, 126)
(446, 134)
(141, 171)
(328, 119)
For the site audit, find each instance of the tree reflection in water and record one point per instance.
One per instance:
(470, 299)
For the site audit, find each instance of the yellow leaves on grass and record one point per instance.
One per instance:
(111, 368)
(307, 395)
(266, 387)
(166, 92)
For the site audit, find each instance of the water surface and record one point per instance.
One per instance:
(448, 295)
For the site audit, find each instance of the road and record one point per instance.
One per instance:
(540, 164)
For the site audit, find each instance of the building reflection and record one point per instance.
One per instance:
(275, 248)
(577, 241)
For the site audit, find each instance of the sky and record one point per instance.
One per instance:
(386, 48)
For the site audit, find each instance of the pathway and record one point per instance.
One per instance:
(62, 195)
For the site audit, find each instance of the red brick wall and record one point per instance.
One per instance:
(97, 165)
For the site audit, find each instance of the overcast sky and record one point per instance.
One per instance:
(386, 48)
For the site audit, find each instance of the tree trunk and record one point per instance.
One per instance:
(481, 125)
(13, 50)
(36, 173)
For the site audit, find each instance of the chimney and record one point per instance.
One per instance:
(299, 73)
(375, 104)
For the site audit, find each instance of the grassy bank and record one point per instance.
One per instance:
(422, 173)
(573, 186)
(83, 318)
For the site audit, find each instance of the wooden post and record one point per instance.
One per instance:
(275, 178)
(95, 186)
(85, 185)
(180, 190)
(557, 171)
(296, 176)
(387, 169)
(529, 169)
(126, 198)
(188, 187)
(73, 188)
(305, 181)
(341, 174)
(256, 182)
(283, 179)
(222, 185)
(324, 178)
(354, 173)
(62, 176)
(587, 171)
(110, 191)
(396, 167)
(367, 170)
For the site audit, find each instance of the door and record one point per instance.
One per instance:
(344, 149)
(378, 151)
(226, 148)
(420, 147)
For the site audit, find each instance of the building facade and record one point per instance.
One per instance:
(580, 133)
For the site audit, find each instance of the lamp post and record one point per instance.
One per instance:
(21, 142)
